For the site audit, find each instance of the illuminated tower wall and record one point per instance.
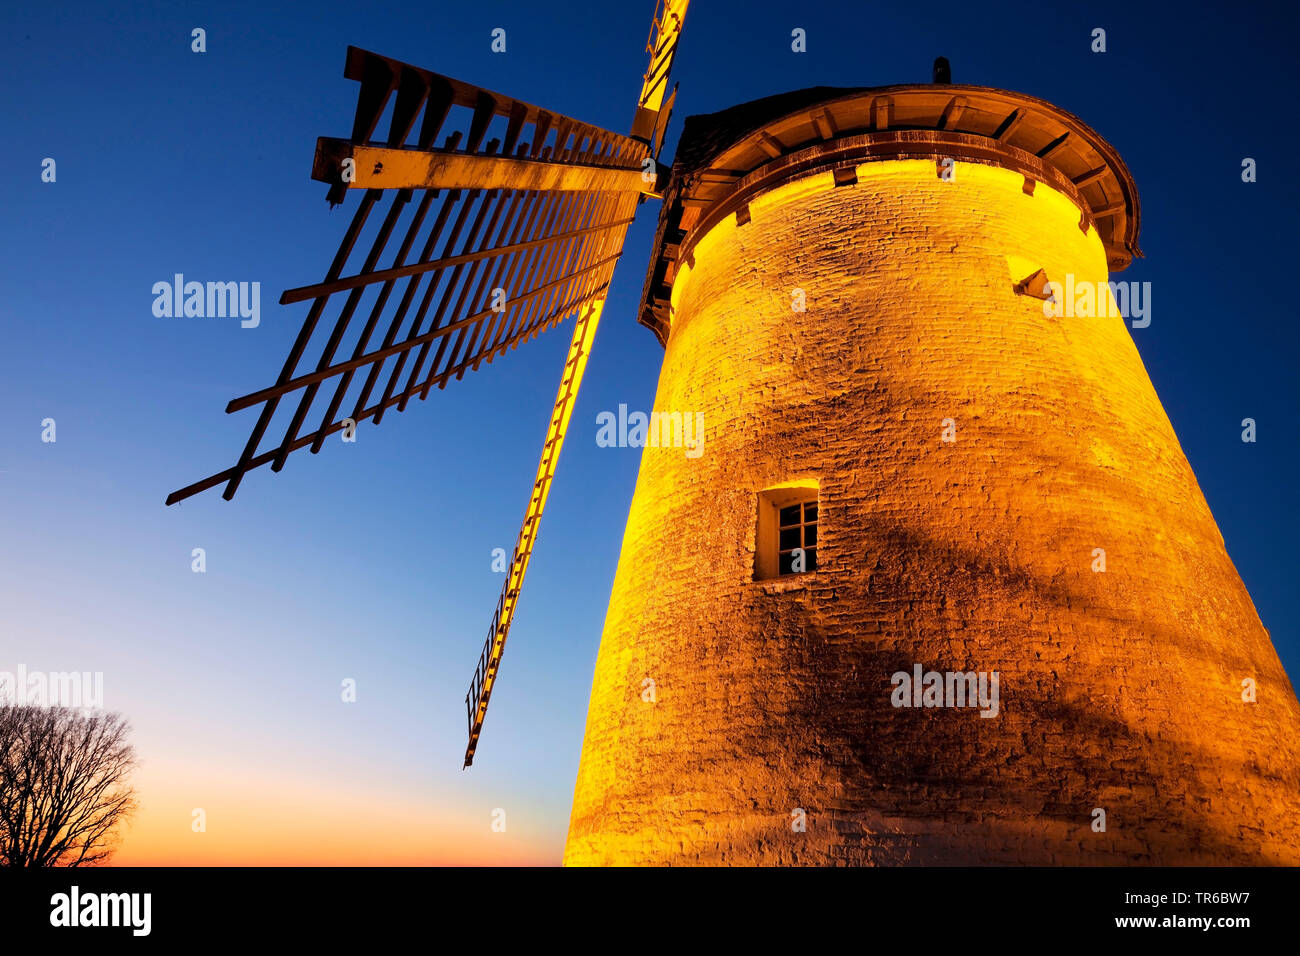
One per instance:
(1120, 690)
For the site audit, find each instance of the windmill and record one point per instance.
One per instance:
(949, 455)
(519, 215)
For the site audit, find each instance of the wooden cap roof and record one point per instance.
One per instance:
(726, 158)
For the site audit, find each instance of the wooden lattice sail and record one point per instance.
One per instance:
(498, 220)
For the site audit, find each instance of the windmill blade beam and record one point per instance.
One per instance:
(382, 167)
(300, 343)
(666, 32)
(381, 73)
(340, 327)
(267, 394)
(360, 416)
(266, 457)
(485, 675)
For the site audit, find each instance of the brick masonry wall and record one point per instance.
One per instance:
(1119, 690)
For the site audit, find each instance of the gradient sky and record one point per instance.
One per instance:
(372, 561)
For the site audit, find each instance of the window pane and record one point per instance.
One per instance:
(810, 536)
(789, 538)
(810, 511)
(790, 515)
(810, 562)
(786, 562)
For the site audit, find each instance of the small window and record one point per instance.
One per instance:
(786, 537)
(798, 535)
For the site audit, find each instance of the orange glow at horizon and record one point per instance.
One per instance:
(270, 820)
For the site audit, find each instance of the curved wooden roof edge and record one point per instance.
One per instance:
(725, 158)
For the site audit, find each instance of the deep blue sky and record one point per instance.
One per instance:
(372, 561)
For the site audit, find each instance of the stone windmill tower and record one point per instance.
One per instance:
(938, 585)
(741, 714)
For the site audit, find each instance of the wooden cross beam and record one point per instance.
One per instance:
(384, 167)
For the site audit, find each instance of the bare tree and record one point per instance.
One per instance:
(64, 785)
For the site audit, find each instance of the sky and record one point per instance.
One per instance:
(372, 562)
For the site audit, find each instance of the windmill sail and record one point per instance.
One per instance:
(489, 660)
(651, 121)
(511, 225)
(648, 126)
(519, 216)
